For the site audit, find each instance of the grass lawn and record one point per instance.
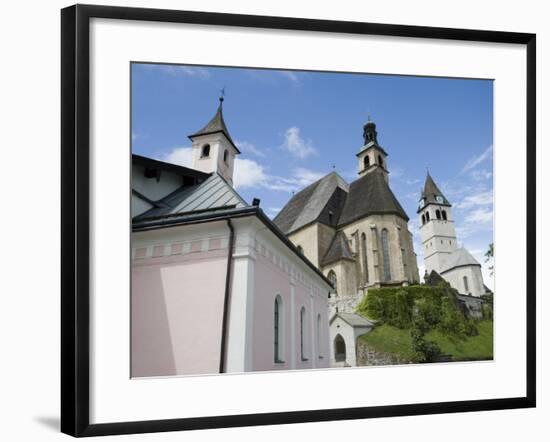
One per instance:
(388, 339)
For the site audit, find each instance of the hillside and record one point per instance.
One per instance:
(389, 339)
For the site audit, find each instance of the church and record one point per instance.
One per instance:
(442, 256)
(357, 234)
(216, 286)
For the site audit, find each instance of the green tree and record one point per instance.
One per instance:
(489, 255)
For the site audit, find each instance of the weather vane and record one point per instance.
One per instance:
(222, 93)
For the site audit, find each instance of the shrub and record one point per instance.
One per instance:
(424, 351)
(428, 307)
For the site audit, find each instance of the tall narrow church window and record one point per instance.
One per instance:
(225, 156)
(277, 329)
(332, 278)
(444, 214)
(205, 152)
(423, 219)
(427, 216)
(386, 253)
(438, 214)
(366, 161)
(303, 333)
(380, 160)
(365, 261)
(466, 288)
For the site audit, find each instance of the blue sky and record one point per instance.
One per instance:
(293, 127)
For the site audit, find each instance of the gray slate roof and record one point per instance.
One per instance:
(353, 319)
(460, 257)
(213, 193)
(370, 195)
(430, 192)
(216, 125)
(314, 203)
(338, 249)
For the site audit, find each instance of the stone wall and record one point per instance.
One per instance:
(473, 306)
(367, 356)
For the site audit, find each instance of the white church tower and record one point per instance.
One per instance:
(213, 149)
(437, 227)
(441, 252)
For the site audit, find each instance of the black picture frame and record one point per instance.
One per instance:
(75, 211)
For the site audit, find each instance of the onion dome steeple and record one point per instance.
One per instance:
(371, 156)
(369, 132)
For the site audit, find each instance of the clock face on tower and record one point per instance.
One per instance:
(439, 198)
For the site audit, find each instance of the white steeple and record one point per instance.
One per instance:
(437, 227)
(213, 149)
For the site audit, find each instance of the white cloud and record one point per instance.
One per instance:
(396, 172)
(478, 159)
(248, 173)
(292, 76)
(413, 181)
(481, 175)
(296, 145)
(182, 156)
(484, 198)
(175, 70)
(304, 177)
(247, 147)
(480, 216)
(188, 71)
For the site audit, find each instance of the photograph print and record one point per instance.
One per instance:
(292, 220)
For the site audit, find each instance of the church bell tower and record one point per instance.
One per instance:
(371, 156)
(213, 149)
(437, 227)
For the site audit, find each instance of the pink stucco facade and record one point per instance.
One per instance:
(177, 306)
(178, 292)
(272, 280)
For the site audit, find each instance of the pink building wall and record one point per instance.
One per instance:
(270, 280)
(177, 309)
(177, 301)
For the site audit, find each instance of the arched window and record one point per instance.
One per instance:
(205, 152)
(277, 329)
(427, 216)
(466, 288)
(380, 160)
(300, 249)
(444, 215)
(332, 278)
(303, 333)
(386, 254)
(225, 156)
(365, 260)
(438, 214)
(423, 219)
(366, 161)
(339, 349)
